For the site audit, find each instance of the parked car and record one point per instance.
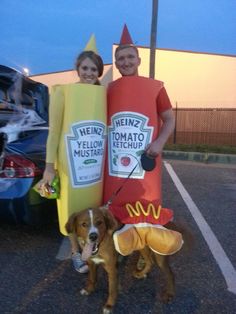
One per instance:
(23, 134)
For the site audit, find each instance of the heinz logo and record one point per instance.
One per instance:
(128, 135)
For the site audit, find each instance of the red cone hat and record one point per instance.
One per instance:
(125, 37)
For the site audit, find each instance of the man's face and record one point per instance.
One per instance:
(127, 61)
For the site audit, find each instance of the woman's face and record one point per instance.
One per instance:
(88, 72)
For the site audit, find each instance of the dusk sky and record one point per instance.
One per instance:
(47, 35)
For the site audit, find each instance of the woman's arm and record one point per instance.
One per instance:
(56, 112)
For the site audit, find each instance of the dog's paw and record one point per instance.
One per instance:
(84, 292)
(107, 309)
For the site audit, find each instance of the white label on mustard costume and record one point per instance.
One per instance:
(128, 136)
(85, 151)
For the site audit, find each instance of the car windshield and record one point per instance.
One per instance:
(23, 104)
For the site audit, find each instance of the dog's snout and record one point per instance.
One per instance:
(93, 236)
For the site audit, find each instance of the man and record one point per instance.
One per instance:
(140, 119)
(127, 62)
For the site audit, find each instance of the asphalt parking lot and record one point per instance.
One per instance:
(203, 197)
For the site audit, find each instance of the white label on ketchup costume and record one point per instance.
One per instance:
(128, 136)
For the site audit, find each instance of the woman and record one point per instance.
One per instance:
(89, 67)
(75, 145)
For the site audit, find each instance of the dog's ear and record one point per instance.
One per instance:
(70, 226)
(110, 220)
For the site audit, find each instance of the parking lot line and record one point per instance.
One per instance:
(219, 254)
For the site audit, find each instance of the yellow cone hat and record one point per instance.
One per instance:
(91, 44)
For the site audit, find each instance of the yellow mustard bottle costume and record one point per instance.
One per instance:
(76, 143)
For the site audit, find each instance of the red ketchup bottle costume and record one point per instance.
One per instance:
(133, 123)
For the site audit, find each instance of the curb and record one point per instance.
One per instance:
(200, 157)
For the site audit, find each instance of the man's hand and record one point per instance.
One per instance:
(154, 149)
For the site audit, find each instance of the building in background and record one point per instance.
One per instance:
(69, 77)
(201, 88)
(196, 80)
(193, 79)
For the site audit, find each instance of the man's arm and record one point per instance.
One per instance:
(167, 128)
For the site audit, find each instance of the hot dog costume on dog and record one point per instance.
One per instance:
(134, 107)
(76, 142)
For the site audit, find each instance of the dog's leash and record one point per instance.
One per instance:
(109, 202)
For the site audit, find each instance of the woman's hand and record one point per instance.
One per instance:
(48, 175)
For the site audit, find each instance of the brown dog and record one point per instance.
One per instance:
(149, 258)
(94, 228)
(155, 244)
(162, 261)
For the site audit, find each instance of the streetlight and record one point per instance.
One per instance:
(26, 71)
(153, 38)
